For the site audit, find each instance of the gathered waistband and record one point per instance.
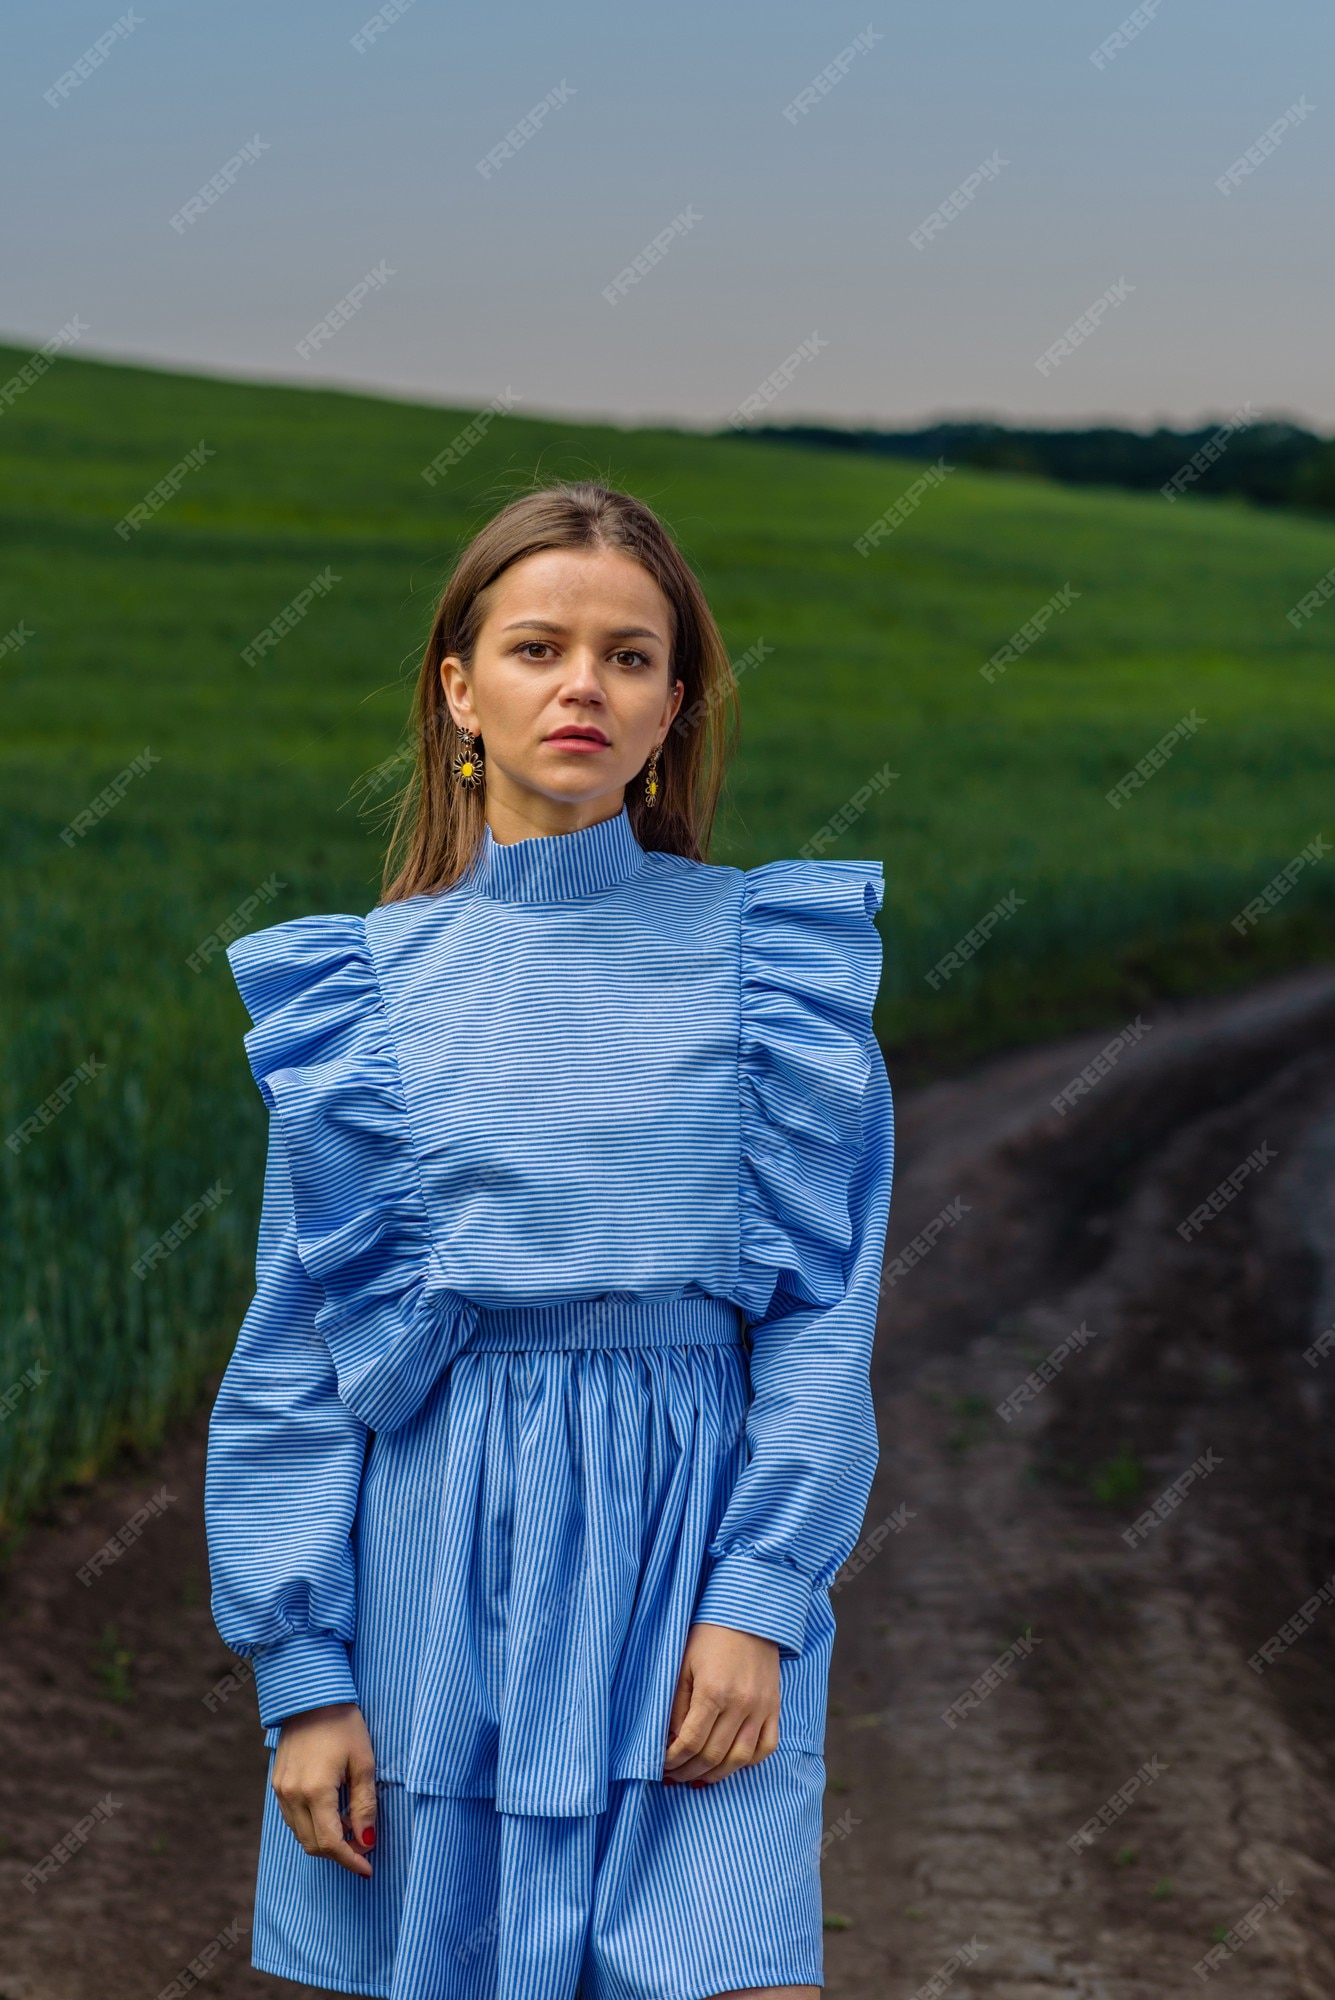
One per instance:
(613, 1319)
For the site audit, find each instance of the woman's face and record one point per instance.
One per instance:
(570, 686)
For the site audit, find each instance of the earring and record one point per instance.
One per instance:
(468, 766)
(651, 777)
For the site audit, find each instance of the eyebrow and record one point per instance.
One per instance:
(546, 625)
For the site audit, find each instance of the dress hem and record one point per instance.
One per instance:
(731, 1983)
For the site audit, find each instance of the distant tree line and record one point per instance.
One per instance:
(1275, 464)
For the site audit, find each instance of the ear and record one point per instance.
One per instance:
(454, 686)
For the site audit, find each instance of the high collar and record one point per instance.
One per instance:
(556, 867)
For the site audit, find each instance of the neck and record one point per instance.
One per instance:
(530, 815)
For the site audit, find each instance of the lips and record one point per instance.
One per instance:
(591, 736)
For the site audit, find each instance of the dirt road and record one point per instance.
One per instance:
(1053, 1771)
(1130, 1694)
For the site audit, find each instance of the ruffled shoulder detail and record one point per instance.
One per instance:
(321, 1051)
(810, 970)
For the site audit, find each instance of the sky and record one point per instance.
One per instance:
(709, 213)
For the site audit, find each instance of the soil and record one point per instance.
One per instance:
(1052, 1770)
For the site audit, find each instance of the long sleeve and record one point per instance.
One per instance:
(283, 1475)
(796, 1509)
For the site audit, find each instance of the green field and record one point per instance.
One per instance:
(136, 644)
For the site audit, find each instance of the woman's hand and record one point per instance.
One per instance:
(317, 1750)
(725, 1712)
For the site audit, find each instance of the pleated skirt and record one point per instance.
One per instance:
(529, 1551)
(671, 1894)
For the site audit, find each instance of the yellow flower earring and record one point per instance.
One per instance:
(651, 777)
(468, 766)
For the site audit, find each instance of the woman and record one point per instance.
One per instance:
(549, 1424)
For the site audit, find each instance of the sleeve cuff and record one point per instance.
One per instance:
(769, 1599)
(306, 1670)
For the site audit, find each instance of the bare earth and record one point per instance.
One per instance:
(952, 1850)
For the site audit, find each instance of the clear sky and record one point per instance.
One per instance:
(1102, 175)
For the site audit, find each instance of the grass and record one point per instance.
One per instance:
(127, 645)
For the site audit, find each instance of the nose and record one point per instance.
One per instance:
(581, 679)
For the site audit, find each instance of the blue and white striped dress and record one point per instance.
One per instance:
(568, 1269)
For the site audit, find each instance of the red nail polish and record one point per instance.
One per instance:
(368, 1837)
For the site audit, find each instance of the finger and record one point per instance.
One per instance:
(293, 1806)
(741, 1753)
(681, 1702)
(694, 1730)
(715, 1747)
(299, 1819)
(361, 1813)
(327, 1822)
(769, 1737)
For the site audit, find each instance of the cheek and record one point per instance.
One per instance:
(508, 701)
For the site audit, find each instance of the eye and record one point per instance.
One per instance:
(630, 653)
(525, 644)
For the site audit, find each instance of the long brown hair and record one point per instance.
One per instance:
(438, 823)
